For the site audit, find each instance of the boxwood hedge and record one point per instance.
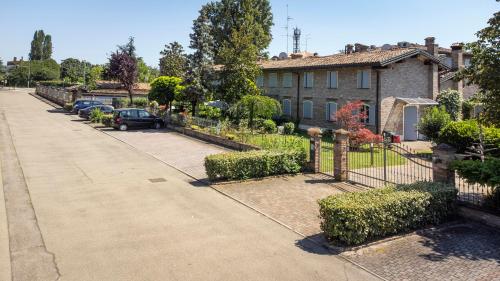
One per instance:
(353, 218)
(254, 164)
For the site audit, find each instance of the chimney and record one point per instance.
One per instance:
(15, 59)
(432, 48)
(457, 56)
(457, 63)
(349, 49)
(360, 48)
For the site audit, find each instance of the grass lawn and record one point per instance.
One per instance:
(357, 159)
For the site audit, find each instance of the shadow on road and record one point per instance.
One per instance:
(315, 244)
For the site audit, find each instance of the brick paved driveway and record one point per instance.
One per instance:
(461, 251)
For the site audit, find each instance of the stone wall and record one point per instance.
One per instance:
(213, 139)
(57, 95)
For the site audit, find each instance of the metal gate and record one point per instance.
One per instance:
(376, 165)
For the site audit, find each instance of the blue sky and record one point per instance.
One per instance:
(91, 29)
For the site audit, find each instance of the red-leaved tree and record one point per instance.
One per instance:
(349, 118)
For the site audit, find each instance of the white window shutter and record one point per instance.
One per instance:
(366, 79)
(305, 80)
(360, 78)
(310, 79)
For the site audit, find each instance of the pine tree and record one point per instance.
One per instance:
(173, 61)
(47, 47)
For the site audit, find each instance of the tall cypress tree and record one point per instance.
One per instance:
(47, 47)
(37, 45)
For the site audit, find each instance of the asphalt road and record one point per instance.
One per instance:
(81, 205)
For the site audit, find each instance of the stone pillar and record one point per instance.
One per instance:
(340, 169)
(315, 154)
(442, 156)
(457, 61)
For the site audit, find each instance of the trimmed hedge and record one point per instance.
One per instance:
(353, 218)
(462, 134)
(253, 164)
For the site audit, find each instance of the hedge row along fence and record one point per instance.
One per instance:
(353, 218)
(254, 164)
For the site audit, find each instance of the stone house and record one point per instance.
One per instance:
(395, 83)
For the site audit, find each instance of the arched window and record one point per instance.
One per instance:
(370, 115)
(307, 109)
(287, 107)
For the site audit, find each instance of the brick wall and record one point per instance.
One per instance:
(59, 96)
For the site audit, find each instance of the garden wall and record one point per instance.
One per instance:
(60, 96)
(213, 139)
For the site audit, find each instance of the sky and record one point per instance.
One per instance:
(92, 29)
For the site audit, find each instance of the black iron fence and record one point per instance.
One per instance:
(477, 195)
(377, 165)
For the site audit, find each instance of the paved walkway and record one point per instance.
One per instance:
(107, 211)
(463, 251)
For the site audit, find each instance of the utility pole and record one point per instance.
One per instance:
(29, 72)
(308, 36)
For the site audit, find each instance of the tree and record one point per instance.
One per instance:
(123, 66)
(95, 74)
(349, 116)
(228, 16)
(484, 69)
(47, 47)
(2, 71)
(255, 106)
(41, 70)
(166, 89)
(36, 52)
(145, 73)
(173, 60)
(452, 101)
(201, 69)
(73, 70)
(194, 91)
(433, 120)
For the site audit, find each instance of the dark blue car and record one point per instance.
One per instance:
(81, 104)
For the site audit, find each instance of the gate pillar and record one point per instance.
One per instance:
(442, 156)
(315, 154)
(340, 169)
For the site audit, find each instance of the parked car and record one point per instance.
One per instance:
(127, 118)
(85, 113)
(81, 104)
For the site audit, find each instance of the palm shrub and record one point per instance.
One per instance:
(96, 115)
(288, 128)
(452, 101)
(107, 119)
(432, 121)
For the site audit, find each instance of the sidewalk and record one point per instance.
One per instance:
(5, 271)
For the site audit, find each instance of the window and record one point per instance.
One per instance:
(287, 107)
(307, 109)
(308, 79)
(273, 80)
(287, 80)
(260, 81)
(448, 61)
(143, 114)
(364, 79)
(332, 79)
(331, 111)
(370, 115)
(467, 62)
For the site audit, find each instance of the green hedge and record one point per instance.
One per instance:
(253, 164)
(353, 218)
(462, 134)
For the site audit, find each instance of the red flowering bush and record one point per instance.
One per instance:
(366, 136)
(349, 117)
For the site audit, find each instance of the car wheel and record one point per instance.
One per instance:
(123, 127)
(157, 125)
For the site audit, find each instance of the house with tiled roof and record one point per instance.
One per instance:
(395, 82)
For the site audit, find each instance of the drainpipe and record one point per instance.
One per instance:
(298, 97)
(377, 104)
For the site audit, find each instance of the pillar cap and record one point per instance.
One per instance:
(341, 132)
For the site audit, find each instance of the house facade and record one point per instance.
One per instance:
(395, 84)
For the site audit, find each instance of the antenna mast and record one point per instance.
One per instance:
(288, 19)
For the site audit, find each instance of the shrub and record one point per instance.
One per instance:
(107, 119)
(433, 120)
(366, 136)
(269, 126)
(140, 102)
(468, 109)
(68, 106)
(195, 127)
(460, 134)
(452, 101)
(231, 136)
(96, 115)
(253, 164)
(289, 128)
(120, 102)
(209, 112)
(353, 218)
